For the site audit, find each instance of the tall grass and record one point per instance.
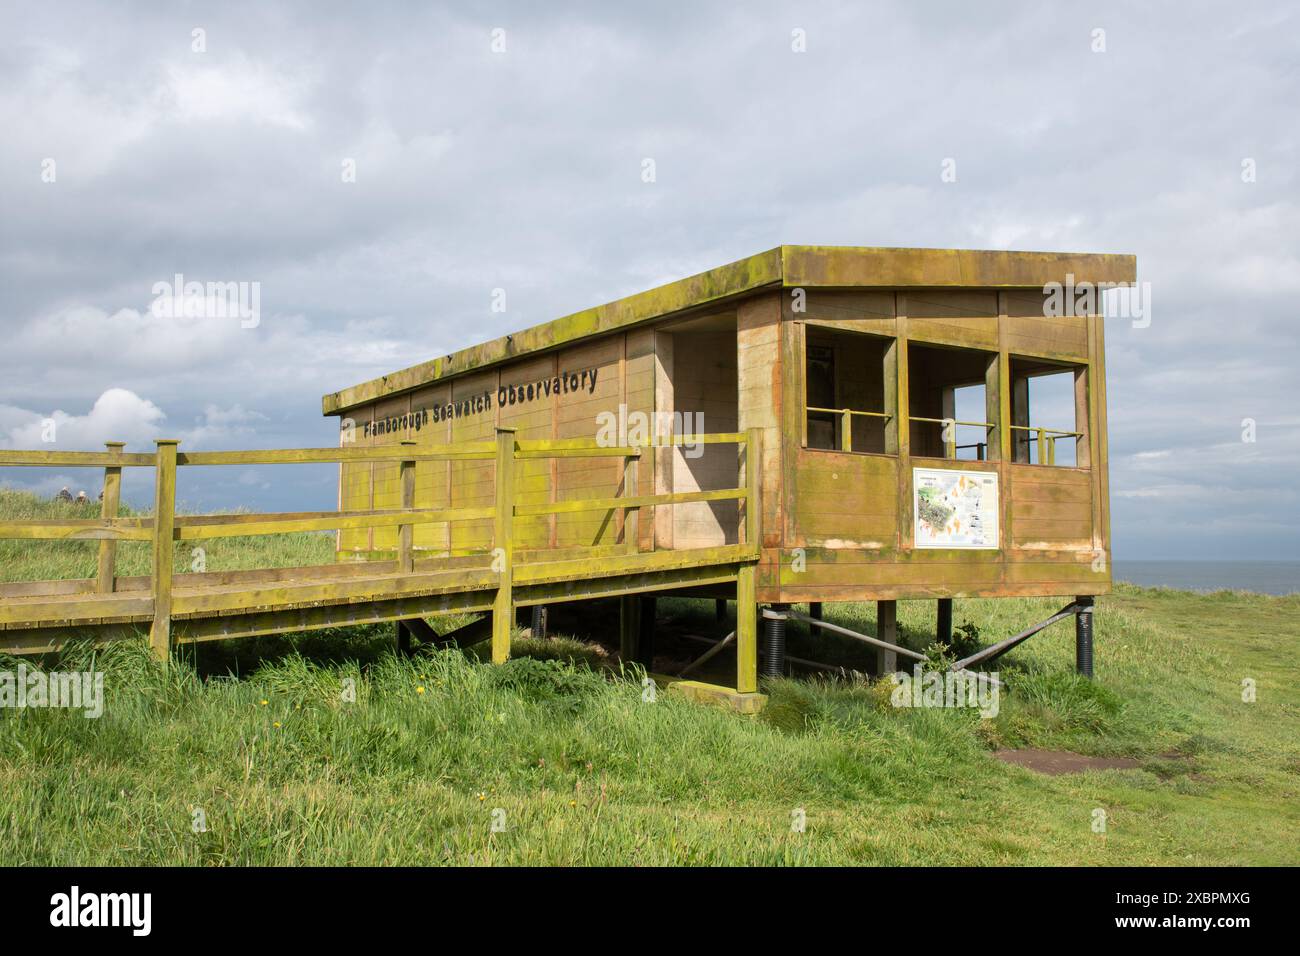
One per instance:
(330, 748)
(22, 560)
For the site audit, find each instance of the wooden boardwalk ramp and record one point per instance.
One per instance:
(176, 608)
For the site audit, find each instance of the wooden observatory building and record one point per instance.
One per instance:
(932, 424)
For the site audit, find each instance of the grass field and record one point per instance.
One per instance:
(576, 768)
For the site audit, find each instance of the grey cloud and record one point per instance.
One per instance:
(521, 171)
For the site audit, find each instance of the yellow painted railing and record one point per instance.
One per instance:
(1046, 440)
(164, 528)
(950, 439)
(846, 422)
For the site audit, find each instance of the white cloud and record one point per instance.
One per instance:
(207, 87)
(117, 415)
(121, 415)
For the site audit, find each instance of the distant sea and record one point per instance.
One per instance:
(1263, 577)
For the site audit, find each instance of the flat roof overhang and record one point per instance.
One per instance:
(811, 267)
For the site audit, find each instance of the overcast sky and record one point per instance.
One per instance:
(134, 149)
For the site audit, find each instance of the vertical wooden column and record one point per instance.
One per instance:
(1020, 417)
(898, 369)
(164, 527)
(746, 631)
(753, 469)
(629, 627)
(949, 400)
(108, 510)
(1008, 440)
(993, 409)
(747, 574)
(943, 623)
(503, 612)
(406, 532)
(887, 630)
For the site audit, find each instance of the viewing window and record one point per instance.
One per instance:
(844, 391)
(1049, 412)
(948, 402)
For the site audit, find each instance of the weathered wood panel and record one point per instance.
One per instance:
(473, 483)
(760, 387)
(532, 419)
(1053, 507)
(968, 319)
(639, 396)
(392, 423)
(1031, 331)
(577, 416)
(705, 401)
(858, 507)
(432, 478)
(355, 480)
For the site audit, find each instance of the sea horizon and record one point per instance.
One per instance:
(1190, 574)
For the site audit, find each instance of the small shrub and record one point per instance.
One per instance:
(551, 681)
(966, 640)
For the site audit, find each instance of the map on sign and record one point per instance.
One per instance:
(955, 509)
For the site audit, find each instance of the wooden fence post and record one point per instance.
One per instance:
(746, 631)
(629, 627)
(886, 630)
(503, 611)
(108, 509)
(164, 525)
(406, 532)
(746, 605)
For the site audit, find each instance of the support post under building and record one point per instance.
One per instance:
(1083, 635)
(943, 622)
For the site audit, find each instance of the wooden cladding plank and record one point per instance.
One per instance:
(532, 421)
(1060, 338)
(432, 478)
(87, 459)
(870, 575)
(80, 529)
(589, 477)
(761, 336)
(473, 482)
(83, 608)
(967, 319)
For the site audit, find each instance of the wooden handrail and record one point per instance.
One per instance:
(950, 442)
(846, 422)
(639, 501)
(849, 411)
(468, 451)
(164, 528)
(1047, 438)
(195, 527)
(79, 529)
(74, 459)
(472, 451)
